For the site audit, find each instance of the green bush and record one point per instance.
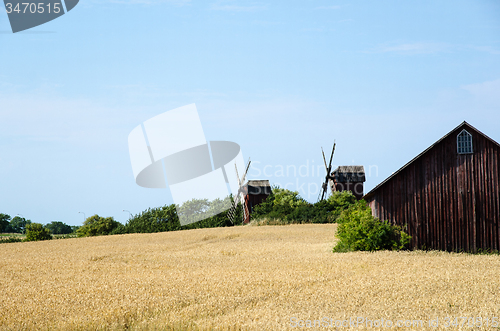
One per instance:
(329, 210)
(36, 231)
(288, 207)
(358, 230)
(57, 227)
(96, 226)
(281, 204)
(198, 208)
(165, 218)
(10, 239)
(120, 229)
(152, 220)
(63, 236)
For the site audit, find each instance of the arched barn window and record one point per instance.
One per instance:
(464, 143)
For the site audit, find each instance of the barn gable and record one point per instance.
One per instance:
(448, 197)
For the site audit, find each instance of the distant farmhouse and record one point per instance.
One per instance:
(448, 197)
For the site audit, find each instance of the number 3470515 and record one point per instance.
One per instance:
(32, 7)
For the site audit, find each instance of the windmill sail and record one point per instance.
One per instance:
(240, 195)
(328, 179)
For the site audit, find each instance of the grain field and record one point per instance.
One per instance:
(241, 278)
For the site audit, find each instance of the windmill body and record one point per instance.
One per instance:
(344, 178)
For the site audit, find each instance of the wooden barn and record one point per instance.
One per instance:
(448, 197)
(255, 192)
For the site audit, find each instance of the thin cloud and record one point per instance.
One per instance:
(230, 6)
(487, 49)
(430, 48)
(488, 92)
(140, 91)
(177, 3)
(322, 29)
(267, 23)
(328, 7)
(412, 48)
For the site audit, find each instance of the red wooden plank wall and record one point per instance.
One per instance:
(446, 200)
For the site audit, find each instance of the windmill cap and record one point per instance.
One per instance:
(355, 173)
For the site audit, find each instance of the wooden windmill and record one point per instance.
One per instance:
(240, 195)
(328, 178)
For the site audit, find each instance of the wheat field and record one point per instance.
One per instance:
(240, 278)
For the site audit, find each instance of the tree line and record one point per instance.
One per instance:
(20, 224)
(357, 230)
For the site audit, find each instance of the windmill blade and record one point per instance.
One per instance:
(328, 178)
(242, 180)
(328, 169)
(324, 186)
(331, 157)
(319, 195)
(237, 176)
(246, 171)
(232, 211)
(239, 196)
(324, 159)
(243, 204)
(244, 211)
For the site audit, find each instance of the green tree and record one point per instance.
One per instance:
(57, 227)
(36, 231)
(96, 226)
(18, 224)
(196, 210)
(329, 210)
(284, 197)
(165, 218)
(159, 219)
(4, 222)
(283, 204)
(288, 207)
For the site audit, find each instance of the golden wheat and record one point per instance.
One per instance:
(241, 278)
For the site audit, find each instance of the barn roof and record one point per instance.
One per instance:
(463, 124)
(354, 173)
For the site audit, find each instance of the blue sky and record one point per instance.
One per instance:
(385, 79)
